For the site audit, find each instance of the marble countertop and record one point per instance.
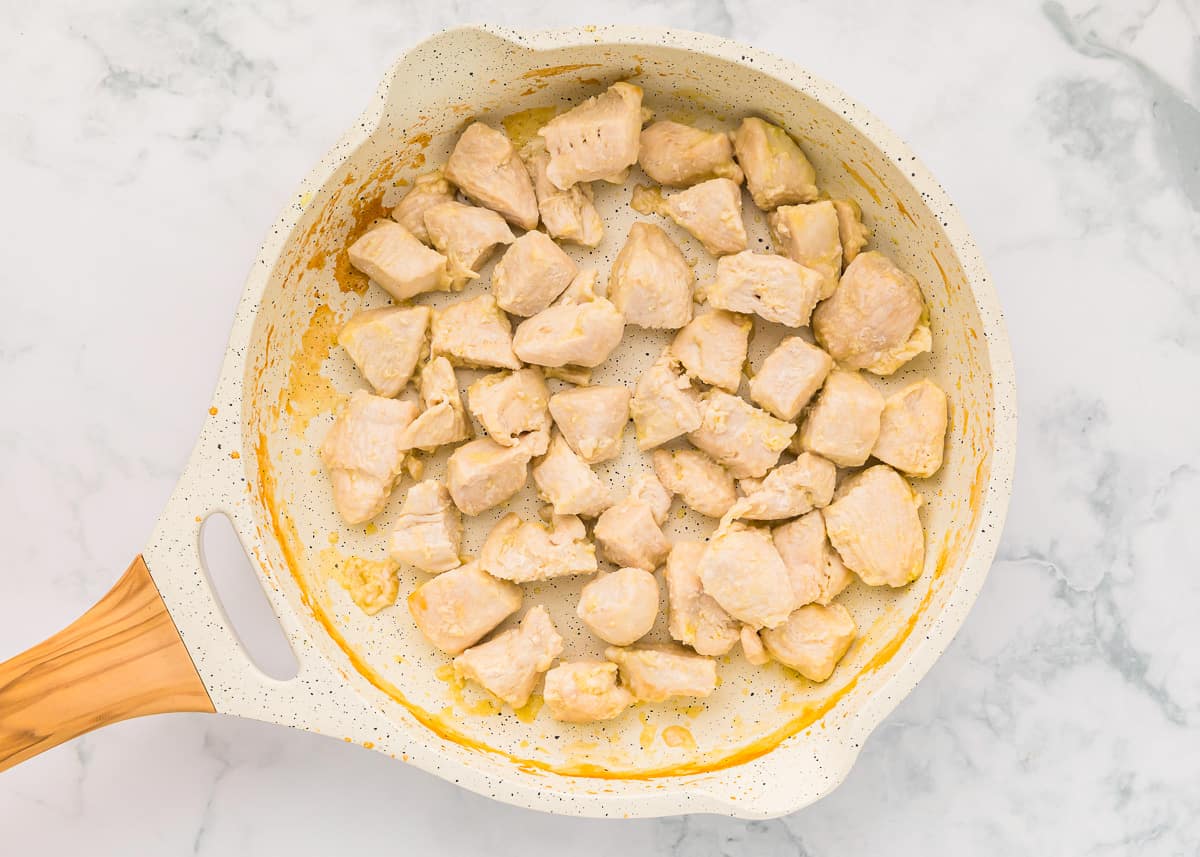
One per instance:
(149, 145)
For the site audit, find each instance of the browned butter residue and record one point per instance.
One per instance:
(308, 393)
(863, 183)
(555, 70)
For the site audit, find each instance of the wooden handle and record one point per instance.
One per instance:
(121, 659)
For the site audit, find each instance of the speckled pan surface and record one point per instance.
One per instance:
(767, 742)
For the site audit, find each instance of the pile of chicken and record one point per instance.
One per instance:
(790, 537)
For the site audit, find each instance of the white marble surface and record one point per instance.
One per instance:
(145, 146)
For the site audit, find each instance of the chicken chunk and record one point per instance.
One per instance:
(525, 551)
(711, 212)
(428, 533)
(770, 286)
(809, 234)
(629, 533)
(679, 155)
(752, 647)
(815, 570)
(427, 191)
(508, 404)
(531, 274)
(912, 429)
(581, 329)
(577, 375)
(566, 482)
(620, 607)
(744, 573)
(486, 168)
(851, 232)
(457, 608)
(746, 440)
(694, 617)
(474, 333)
(712, 347)
(876, 319)
(568, 215)
(597, 139)
(699, 481)
(874, 526)
(658, 674)
(813, 640)
(402, 266)
(364, 455)
(583, 691)
(844, 423)
(664, 404)
(592, 420)
(467, 235)
(509, 664)
(790, 490)
(789, 377)
(482, 474)
(444, 420)
(777, 172)
(385, 345)
(650, 282)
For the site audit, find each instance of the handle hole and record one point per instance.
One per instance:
(240, 595)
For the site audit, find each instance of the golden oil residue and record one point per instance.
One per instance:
(364, 212)
(317, 262)
(369, 745)
(678, 736)
(334, 537)
(863, 183)
(423, 140)
(555, 70)
(694, 711)
(456, 685)
(308, 393)
(372, 528)
(941, 270)
(528, 712)
(649, 731)
(521, 127)
(899, 205)
(212, 412)
(235, 455)
(370, 583)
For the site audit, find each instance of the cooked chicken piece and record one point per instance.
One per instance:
(712, 347)
(568, 215)
(813, 640)
(657, 674)
(592, 420)
(595, 140)
(474, 333)
(629, 533)
(711, 212)
(790, 490)
(789, 377)
(699, 481)
(444, 420)
(694, 617)
(874, 526)
(525, 551)
(508, 404)
(414, 467)
(455, 609)
(581, 329)
(467, 235)
(583, 691)
(566, 482)
(814, 568)
(620, 607)
(743, 573)
(843, 424)
(777, 172)
(809, 234)
(482, 474)
(912, 430)
(876, 319)
(771, 286)
(664, 404)
(650, 282)
(531, 274)
(427, 191)
(752, 647)
(385, 344)
(371, 584)
(486, 168)
(576, 375)
(364, 455)
(746, 440)
(508, 665)
(679, 155)
(403, 267)
(851, 232)
(428, 533)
